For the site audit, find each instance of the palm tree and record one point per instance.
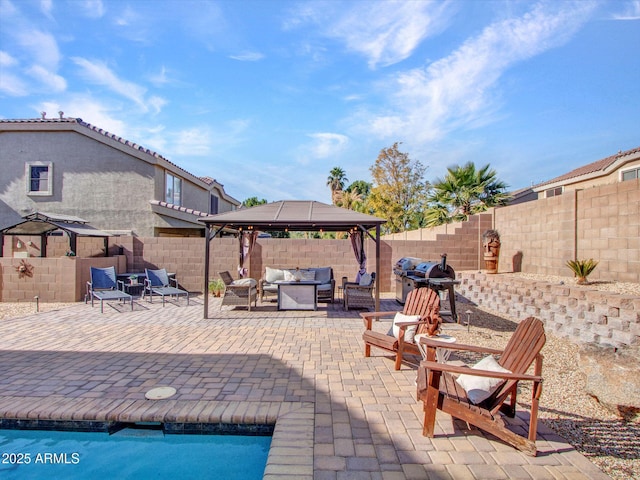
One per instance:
(464, 191)
(349, 199)
(336, 181)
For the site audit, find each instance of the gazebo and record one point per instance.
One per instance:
(292, 215)
(44, 224)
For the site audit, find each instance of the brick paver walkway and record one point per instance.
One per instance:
(338, 415)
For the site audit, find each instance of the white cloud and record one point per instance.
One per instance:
(194, 141)
(630, 12)
(92, 8)
(42, 46)
(323, 145)
(7, 60)
(388, 32)
(46, 6)
(457, 90)
(385, 32)
(100, 74)
(248, 56)
(50, 80)
(100, 114)
(12, 85)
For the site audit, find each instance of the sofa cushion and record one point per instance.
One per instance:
(323, 274)
(273, 275)
(308, 275)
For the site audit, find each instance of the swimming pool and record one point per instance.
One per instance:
(140, 452)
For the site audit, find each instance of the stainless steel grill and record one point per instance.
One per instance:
(402, 269)
(420, 275)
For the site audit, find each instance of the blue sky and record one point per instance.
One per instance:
(267, 96)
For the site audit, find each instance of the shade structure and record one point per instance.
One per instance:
(291, 215)
(43, 224)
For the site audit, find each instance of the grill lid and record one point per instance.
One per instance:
(407, 263)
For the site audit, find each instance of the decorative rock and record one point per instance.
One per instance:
(613, 378)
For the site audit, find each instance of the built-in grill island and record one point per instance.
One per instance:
(414, 273)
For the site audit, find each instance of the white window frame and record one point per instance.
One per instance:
(170, 181)
(27, 173)
(634, 169)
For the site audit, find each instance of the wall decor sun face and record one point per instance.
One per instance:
(24, 269)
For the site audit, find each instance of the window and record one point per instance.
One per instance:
(553, 192)
(631, 174)
(39, 178)
(173, 191)
(213, 207)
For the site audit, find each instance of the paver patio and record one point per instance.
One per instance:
(337, 414)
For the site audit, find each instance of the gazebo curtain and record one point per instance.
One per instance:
(357, 242)
(247, 242)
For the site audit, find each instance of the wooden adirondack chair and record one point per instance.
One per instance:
(438, 389)
(424, 302)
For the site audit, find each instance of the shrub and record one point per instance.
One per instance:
(582, 269)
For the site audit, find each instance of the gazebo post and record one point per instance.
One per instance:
(207, 248)
(378, 268)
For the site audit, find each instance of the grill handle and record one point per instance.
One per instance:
(443, 262)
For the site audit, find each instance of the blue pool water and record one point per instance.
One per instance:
(129, 454)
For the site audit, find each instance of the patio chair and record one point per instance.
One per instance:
(359, 295)
(104, 287)
(157, 282)
(478, 395)
(239, 292)
(421, 315)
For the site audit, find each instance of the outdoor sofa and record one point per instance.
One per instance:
(268, 284)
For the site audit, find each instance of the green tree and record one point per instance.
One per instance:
(462, 192)
(349, 199)
(399, 191)
(336, 181)
(253, 201)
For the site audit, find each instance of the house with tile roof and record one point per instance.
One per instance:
(620, 167)
(70, 167)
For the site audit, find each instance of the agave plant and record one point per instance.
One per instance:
(582, 269)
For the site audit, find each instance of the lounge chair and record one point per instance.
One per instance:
(239, 292)
(479, 397)
(159, 283)
(421, 315)
(360, 294)
(104, 287)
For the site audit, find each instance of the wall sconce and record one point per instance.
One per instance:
(18, 244)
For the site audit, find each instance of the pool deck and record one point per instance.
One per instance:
(337, 414)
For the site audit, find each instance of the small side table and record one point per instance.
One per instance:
(442, 354)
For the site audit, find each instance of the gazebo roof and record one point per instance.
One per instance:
(294, 215)
(41, 223)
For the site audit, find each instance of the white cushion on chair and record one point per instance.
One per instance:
(480, 388)
(244, 282)
(365, 280)
(409, 332)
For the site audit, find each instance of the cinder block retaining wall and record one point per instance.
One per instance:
(580, 313)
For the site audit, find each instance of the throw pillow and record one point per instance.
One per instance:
(308, 275)
(365, 280)
(289, 276)
(409, 332)
(273, 275)
(480, 388)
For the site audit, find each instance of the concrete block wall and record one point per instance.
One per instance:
(608, 221)
(580, 313)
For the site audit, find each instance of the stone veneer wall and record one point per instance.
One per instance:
(580, 313)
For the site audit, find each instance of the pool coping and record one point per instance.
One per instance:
(292, 443)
